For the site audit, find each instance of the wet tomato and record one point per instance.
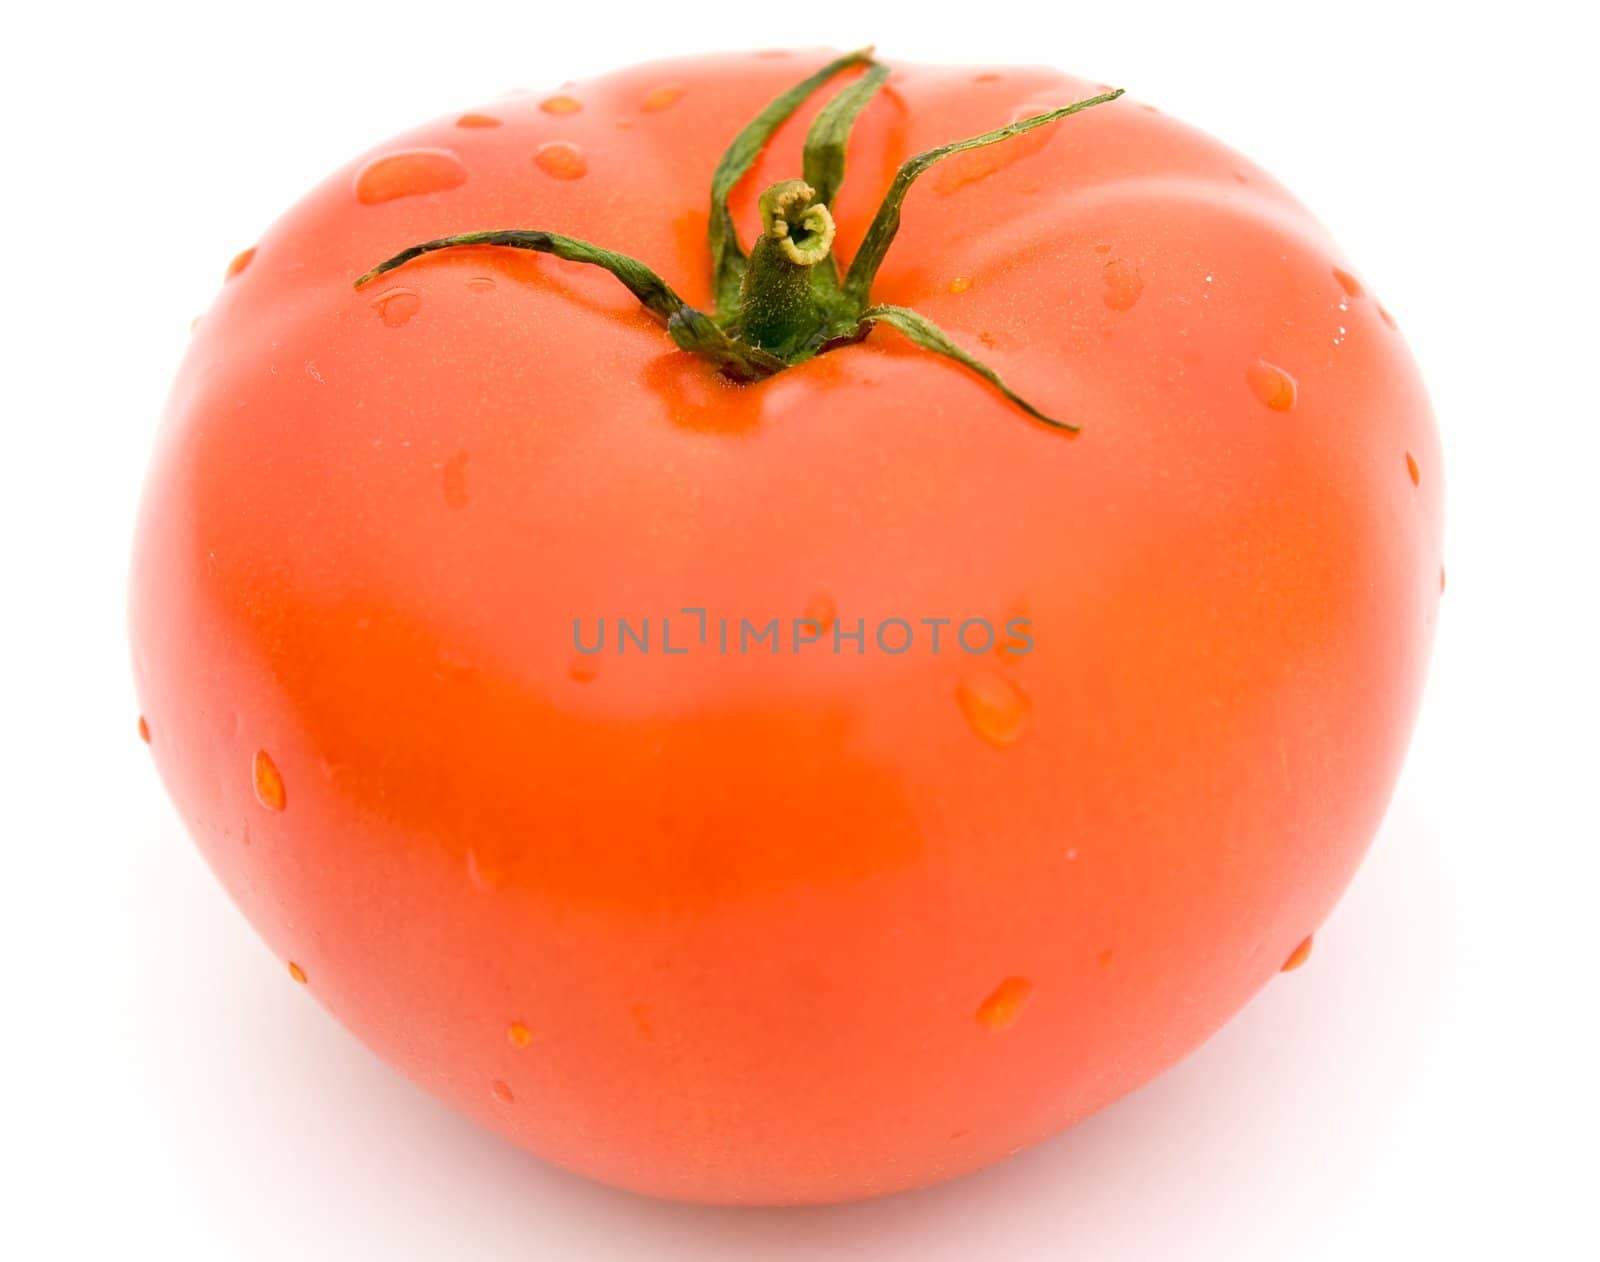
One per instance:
(829, 916)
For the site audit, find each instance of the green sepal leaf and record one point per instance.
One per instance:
(823, 166)
(886, 223)
(658, 296)
(695, 331)
(926, 334)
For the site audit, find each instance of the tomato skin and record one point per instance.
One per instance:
(785, 929)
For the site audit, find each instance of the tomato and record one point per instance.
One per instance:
(813, 920)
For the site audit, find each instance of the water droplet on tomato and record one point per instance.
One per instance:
(1347, 282)
(481, 284)
(239, 262)
(661, 98)
(518, 1034)
(1274, 387)
(501, 1092)
(407, 174)
(1413, 469)
(1123, 284)
(485, 877)
(1298, 956)
(477, 120)
(144, 730)
(269, 784)
(582, 668)
(1002, 1008)
(995, 708)
(561, 160)
(560, 105)
(961, 284)
(296, 972)
(821, 611)
(396, 306)
(454, 477)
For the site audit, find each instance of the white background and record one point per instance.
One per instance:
(1423, 1088)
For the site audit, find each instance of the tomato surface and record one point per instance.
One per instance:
(805, 925)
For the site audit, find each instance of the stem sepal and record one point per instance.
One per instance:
(783, 302)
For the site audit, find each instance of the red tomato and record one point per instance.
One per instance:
(789, 926)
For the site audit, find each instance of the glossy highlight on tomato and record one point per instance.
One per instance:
(789, 927)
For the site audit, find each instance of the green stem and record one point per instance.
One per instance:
(778, 306)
